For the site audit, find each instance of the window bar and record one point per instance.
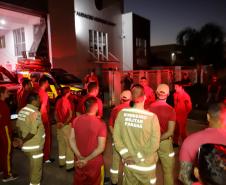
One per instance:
(97, 41)
(106, 45)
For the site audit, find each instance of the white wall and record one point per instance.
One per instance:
(127, 27)
(8, 54)
(69, 33)
(83, 25)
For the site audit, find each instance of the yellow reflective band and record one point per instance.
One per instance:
(69, 162)
(9, 151)
(37, 156)
(29, 109)
(113, 171)
(102, 175)
(171, 154)
(30, 147)
(141, 168)
(62, 156)
(53, 89)
(123, 151)
(153, 181)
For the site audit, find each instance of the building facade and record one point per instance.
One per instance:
(76, 35)
(136, 41)
(22, 27)
(86, 36)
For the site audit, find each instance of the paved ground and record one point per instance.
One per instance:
(53, 175)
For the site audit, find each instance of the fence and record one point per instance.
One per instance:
(113, 86)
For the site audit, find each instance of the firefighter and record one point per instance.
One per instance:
(93, 91)
(88, 139)
(63, 115)
(167, 120)
(5, 138)
(149, 93)
(44, 109)
(182, 106)
(32, 138)
(136, 137)
(125, 98)
(23, 93)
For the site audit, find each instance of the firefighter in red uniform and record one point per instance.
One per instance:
(5, 138)
(167, 120)
(182, 106)
(125, 99)
(91, 77)
(23, 93)
(93, 91)
(87, 139)
(44, 109)
(149, 93)
(64, 115)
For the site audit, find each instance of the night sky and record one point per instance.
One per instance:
(168, 17)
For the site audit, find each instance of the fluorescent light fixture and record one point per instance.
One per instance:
(2, 21)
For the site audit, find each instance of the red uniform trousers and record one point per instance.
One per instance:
(5, 151)
(91, 174)
(180, 129)
(48, 137)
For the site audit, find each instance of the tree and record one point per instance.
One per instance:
(205, 46)
(189, 43)
(212, 44)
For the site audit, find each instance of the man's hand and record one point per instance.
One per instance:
(17, 142)
(81, 163)
(129, 160)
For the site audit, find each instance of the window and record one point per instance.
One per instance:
(98, 44)
(2, 42)
(19, 41)
(141, 51)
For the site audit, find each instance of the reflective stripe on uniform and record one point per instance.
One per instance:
(139, 155)
(70, 162)
(113, 171)
(153, 181)
(123, 151)
(34, 184)
(30, 147)
(37, 156)
(171, 154)
(141, 168)
(62, 156)
(138, 111)
(29, 109)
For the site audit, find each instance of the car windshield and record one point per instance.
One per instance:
(4, 78)
(67, 79)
